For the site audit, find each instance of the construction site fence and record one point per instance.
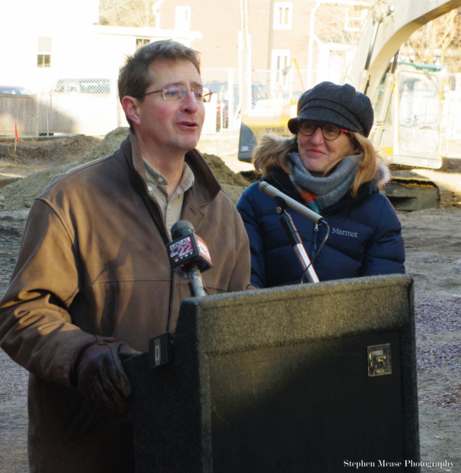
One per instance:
(92, 106)
(227, 85)
(60, 113)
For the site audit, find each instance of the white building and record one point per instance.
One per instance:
(41, 41)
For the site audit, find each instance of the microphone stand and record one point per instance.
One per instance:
(295, 240)
(196, 281)
(161, 347)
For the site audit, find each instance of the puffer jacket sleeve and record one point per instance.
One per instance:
(248, 208)
(386, 253)
(35, 325)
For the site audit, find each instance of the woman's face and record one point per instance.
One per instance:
(317, 153)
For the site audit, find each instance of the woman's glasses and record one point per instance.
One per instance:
(329, 132)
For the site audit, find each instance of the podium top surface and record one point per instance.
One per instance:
(292, 314)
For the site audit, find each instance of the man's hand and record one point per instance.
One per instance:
(99, 375)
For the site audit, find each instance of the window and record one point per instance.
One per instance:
(283, 12)
(44, 52)
(280, 66)
(182, 19)
(419, 112)
(44, 60)
(141, 42)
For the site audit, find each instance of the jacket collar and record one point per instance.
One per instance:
(282, 181)
(208, 186)
(205, 189)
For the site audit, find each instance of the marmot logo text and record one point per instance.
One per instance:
(344, 232)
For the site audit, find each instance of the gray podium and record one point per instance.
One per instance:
(308, 378)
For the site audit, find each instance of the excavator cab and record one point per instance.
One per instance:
(407, 124)
(268, 116)
(407, 132)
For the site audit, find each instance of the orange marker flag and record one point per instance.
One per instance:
(16, 132)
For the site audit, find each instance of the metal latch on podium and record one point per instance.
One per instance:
(160, 350)
(379, 360)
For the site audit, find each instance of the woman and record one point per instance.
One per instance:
(332, 167)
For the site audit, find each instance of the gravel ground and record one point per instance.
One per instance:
(434, 266)
(433, 245)
(13, 378)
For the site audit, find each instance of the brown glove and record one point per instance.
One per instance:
(98, 373)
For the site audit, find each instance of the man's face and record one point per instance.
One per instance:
(171, 127)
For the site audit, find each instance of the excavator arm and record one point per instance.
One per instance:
(407, 105)
(392, 23)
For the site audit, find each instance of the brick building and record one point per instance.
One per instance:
(279, 32)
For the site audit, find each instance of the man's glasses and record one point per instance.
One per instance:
(329, 132)
(178, 92)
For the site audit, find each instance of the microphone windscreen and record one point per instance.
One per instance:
(181, 228)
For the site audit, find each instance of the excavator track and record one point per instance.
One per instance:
(424, 188)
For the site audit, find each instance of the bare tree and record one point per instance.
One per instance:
(437, 42)
(338, 27)
(339, 23)
(138, 13)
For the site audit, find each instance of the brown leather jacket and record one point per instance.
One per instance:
(93, 261)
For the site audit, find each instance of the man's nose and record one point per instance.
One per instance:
(188, 103)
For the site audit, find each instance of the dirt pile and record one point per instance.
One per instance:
(224, 175)
(233, 184)
(49, 150)
(21, 194)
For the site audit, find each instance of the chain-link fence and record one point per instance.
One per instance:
(72, 106)
(91, 106)
(226, 84)
(20, 111)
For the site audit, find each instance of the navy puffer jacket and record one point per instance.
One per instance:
(365, 236)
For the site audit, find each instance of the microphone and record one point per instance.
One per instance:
(271, 191)
(189, 255)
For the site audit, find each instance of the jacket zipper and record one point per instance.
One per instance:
(170, 320)
(316, 237)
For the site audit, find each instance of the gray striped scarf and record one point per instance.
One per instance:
(328, 190)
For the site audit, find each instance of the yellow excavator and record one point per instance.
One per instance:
(407, 100)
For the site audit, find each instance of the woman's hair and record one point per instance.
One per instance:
(368, 160)
(272, 152)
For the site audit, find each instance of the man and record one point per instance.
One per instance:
(93, 281)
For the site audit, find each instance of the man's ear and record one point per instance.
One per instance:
(131, 108)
